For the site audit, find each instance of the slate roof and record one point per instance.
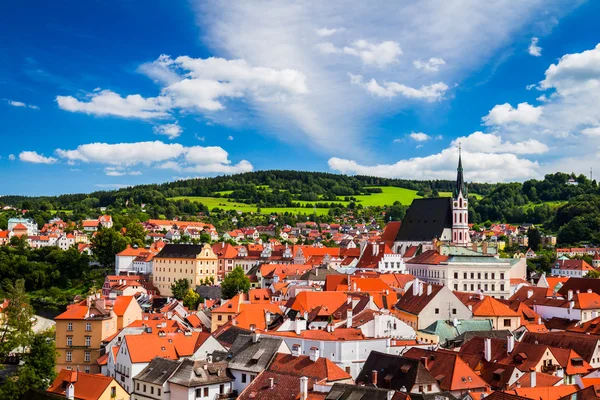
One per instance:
(341, 391)
(229, 333)
(318, 274)
(192, 373)
(245, 355)
(394, 372)
(209, 292)
(158, 371)
(180, 251)
(426, 219)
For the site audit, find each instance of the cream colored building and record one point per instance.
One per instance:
(183, 261)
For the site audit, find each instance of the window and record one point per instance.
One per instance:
(70, 326)
(479, 275)
(421, 388)
(465, 287)
(464, 275)
(113, 391)
(69, 340)
(429, 388)
(221, 389)
(88, 327)
(437, 310)
(472, 287)
(88, 356)
(205, 392)
(507, 323)
(456, 286)
(472, 275)
(485, 275)
(88, 340)
(144, 388)
(502, 287)
(454, 311)
(219, 318)
(158, 391)
(69, 356)
(151, 389)
(243, 378)
(137, 386)
(87, 370)
(501, 275)
(456, 275)
(493, 275)
(198, 392)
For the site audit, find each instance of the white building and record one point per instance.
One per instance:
(32, 227)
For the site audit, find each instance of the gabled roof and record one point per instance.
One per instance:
(486, 306)
(432, 257)
(87, 386)
(414, 304)
(247, 355)
(584, 345)
(194, 373)
(302, 365)
(121, 304)
(426, 219)
(180, 251)
(158, 371)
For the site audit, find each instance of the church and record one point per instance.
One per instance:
(435, 242)
(436, 220)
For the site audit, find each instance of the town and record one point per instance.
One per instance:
(430, 305)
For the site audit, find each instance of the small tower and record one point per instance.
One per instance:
(460, 208)
(596, 260)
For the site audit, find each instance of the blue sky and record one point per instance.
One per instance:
(98, 95)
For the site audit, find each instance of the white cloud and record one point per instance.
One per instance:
(118, 157)
(479, 167)
(106, 102)
(229, 137)
(479, 142)
(322, 32)
(200, 138)
(34, 157)
(534, 49)
(430, 93)
(170, 130)
(12, 157)
(111, 185)
(419, 136)
(574, 73)
(594, 131)
(380, 55)
(15, 103)
(431, 65)
(327, 48)
(504, 114)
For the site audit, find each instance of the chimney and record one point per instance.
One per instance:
(354, 286)
(415, 287)
(314, 354)
(349, 319)
(533, 378)
(484, 247)
(255, 337)
(429, 289)
(296, 350)
(539, 320)
(297, 327)
(349, 300)
(529, 293)
(374, 377)
(510, 344)
(424, 362)
(570, 295)
(70, 391)
(420, 288)
(303, 388)
(271, 383)
(487, 349)
(480, 295)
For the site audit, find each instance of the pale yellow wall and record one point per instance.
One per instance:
(121, 394)
(133, 312)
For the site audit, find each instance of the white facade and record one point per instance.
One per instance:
(124, 264)
(65, 242)
(206, 392)
(32, 228)
(460, 221)
(392, 263)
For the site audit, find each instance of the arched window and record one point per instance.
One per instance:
(460, 218)
(459, 235)
(455, 236)
(460, 203)
(454, 218)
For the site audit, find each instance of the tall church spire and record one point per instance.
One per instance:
(460, 182)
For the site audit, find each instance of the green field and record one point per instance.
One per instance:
(552, 204)
(388, 196)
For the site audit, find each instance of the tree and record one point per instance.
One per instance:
(179, 288)
(535, 238)
(236, 281)
(593, 274)
(16, 328)
(136, 233)
(191, 300)
(106, 244)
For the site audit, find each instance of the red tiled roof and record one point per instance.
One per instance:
(320, 369)
(87, 386)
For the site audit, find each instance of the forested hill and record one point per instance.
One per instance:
(248, 187)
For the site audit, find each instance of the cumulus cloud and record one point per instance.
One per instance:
(34, 157)
(120, 156)
(594, 131)
(479, 142)
(171, 130)
(479, 167)
(106, 102)
(503, 114)
(12, 157)
(193, 84)
(419, 136)
(574, 73)
(430, 93)
(534, 49)
(377, 54)
(323, 32)
(431, 65)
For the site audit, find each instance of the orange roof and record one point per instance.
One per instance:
(89, 223)
(544, 392)
(74, 311)
(121, 304)
(322, 334)
(131, 251)
(87, 386)
(328, 301)
(490, 307)
(143, 348)
(320, 369)
(19, 227)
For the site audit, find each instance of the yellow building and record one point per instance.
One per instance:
(183, 261)
(79, 334)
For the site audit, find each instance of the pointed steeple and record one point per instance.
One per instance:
(460, 182)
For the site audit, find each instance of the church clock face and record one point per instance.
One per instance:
(455, 204)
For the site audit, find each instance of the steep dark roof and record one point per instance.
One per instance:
(504, 396)
(344, 391)
(581, 284)
(318, 274)
(229, 335)
(158, 371)
(467, 336)
(245, 355)
(583, 344)
(426, 219)
(194, 373)
(180, 251)
(394, 372)
(209, 292)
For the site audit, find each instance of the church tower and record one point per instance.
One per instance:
(460, 209)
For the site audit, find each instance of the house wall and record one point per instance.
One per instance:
(132, 313)
(145, 391)
(123, 264)
(120, 393)
(442, 306)
(548, 312)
